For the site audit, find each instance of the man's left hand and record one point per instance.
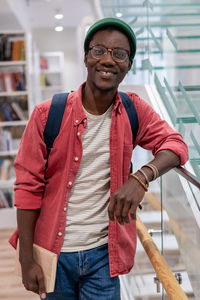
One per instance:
(125, 199)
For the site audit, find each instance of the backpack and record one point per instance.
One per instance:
(56, 112)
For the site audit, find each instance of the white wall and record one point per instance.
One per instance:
(50, 40)
(8, 21)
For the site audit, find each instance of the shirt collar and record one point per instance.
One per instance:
(80, 115)
(118, 103)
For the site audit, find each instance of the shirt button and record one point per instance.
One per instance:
(65, 208)
(60, 233)
(76, 121)
(76, 158)
(70, 183)
(78, 133)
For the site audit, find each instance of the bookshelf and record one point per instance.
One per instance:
(51, 73)
(15, 97)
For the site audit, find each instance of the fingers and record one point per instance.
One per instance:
(41, 289)
(119, 207)
(118, 210)
(125, 212)
(126, 199)
(33, 286)
(133, 212)
(111, 209)
(33, 279)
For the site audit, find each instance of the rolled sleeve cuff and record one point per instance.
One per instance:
(181, 151)
(28, 200)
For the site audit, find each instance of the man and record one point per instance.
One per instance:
(85, 209)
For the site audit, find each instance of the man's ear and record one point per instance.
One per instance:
(130, 64)
(85, 59)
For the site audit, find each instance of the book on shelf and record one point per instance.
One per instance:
(5, 166)
(7, 113)
(6, 199)
(42, 80)
(5, 140)
(2, 83)
(14, 81)
(43, 63)
(19, 81)
(20, 113)
(11, 49)
(18, 50)
(8, 81)
(3, 201)
(11, 111)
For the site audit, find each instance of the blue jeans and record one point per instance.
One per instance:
(85, 275)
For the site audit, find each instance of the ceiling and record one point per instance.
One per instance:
(40, 13)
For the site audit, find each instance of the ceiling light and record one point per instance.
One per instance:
(118, 14)
(59, 28)
(58, 16)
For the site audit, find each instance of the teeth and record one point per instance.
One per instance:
(104, 72)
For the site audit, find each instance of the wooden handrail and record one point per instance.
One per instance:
(165, 275)
(187, 175)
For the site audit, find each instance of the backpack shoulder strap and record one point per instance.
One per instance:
(54, 120)
(131, 112)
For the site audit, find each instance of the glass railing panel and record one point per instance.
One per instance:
(184, 225)
(168, 57)
(139, 283)
(142, 278)
(182, 106)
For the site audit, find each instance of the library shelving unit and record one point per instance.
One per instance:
(14, 111)
(51, 73)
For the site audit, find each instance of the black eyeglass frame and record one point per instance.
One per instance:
(111, 51)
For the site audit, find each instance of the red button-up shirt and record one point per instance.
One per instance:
(32, 191)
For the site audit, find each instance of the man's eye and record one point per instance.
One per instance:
(118, 53)
(98, 51)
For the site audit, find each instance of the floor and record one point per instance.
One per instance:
(11, 287)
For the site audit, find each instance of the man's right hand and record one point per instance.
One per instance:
(32, 278)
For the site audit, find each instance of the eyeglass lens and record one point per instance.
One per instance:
(117, 54)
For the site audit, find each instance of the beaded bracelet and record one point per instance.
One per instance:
(140, 181)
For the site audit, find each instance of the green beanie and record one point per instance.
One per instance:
(115, 23)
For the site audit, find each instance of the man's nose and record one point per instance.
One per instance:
(107, 58)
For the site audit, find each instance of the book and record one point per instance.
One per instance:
(11, 111)
(47, 261)
(43, 63)
(6, 112)
(8, 81)
(3, 201)
(18, 50)
(4, 170)
(19, 112)
(19, 81)
(8, 50)
(3, 85)
(1, 48)
(5, 140)
(42, 80)
(22, 51)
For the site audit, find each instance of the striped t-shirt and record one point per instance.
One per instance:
(87, 213)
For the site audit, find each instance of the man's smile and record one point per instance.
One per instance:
(106, 74)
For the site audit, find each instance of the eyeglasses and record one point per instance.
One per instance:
(118, 55)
